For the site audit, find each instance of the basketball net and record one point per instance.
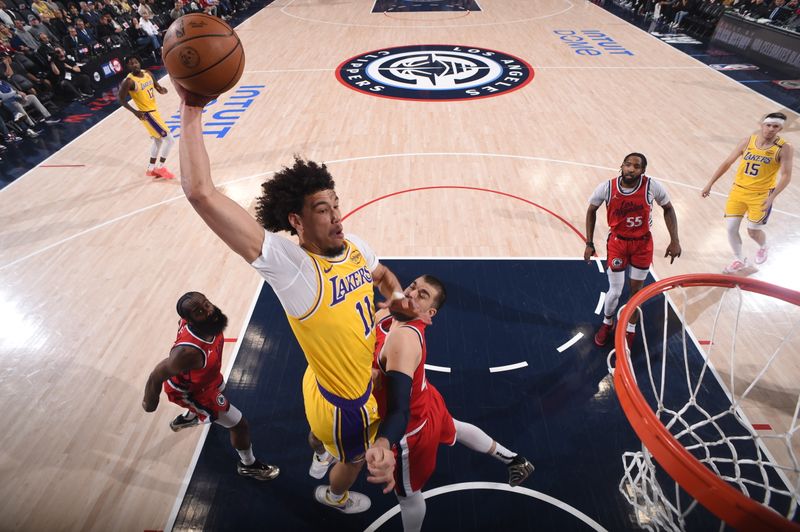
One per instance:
(702, 460)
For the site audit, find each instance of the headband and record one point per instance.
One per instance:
(773, 120)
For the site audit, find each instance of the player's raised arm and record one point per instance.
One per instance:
(234, 225)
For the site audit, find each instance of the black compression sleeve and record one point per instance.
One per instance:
(398, 394)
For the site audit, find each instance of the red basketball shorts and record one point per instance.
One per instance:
(207, 404)
(416, 452)
(637, 253)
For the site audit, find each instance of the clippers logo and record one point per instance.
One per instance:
(434, 72)
(616, 263)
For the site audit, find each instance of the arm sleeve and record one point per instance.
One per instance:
(398, 395)
(659, 192)
(600, 194)
(290, 272)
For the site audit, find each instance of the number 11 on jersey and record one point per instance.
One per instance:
(367, 317)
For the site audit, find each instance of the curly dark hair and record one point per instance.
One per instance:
(640, 156)
(286, 192)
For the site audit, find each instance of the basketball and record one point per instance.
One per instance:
(203, 54)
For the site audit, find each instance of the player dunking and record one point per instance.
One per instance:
(191, 377)
(754, 187)
(629, 200)
(418, 421)
(325, 285)
(142, 86)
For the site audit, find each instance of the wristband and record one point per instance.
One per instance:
(398, 295)
(589, 244)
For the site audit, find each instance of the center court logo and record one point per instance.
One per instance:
(434, 72)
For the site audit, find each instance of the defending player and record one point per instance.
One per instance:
(754, 187)
(629, 201)
(416, 417)
(191, 377)
(142, 86)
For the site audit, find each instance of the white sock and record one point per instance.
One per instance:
(247, 455)
(412, 511)
(334, 497)
(151, 166)
(608, 321)
(631, 327)
(616, 282)
(503, 454)
(472, 437)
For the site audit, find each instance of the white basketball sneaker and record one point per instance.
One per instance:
(351, 503)
(319, 466)
(761, 255)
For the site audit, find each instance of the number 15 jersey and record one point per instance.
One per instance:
(758, 169)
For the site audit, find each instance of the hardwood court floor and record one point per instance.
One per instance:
(92, 260)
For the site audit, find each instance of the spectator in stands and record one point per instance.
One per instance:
(683, 8)
(152, 32)
(57, 25)
(110, 8)
(72, 83)
(109, 32)
(178, 11)
(23, 37)
(17, 102)
(37, 28)
(145, 9)
(87, 37)
(756, 9)
(124, 6)
(72, 14)
(74, 46)
(779, 13)
(21, 78)
(90, 15)
(41, 7)
(7, 15)
(45, 52)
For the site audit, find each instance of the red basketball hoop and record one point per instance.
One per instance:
(719, 496)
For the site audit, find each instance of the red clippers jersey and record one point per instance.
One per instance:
(210, 375)
(629, 212)
(420, 388)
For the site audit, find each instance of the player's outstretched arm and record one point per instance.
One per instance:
(671, 219)
(179, 359)
(403, 354)
(234, 225)
(735, 154)
(591, 220)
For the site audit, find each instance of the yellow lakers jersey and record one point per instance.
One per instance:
(758, 169)
(143, 91)
(337, 334)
